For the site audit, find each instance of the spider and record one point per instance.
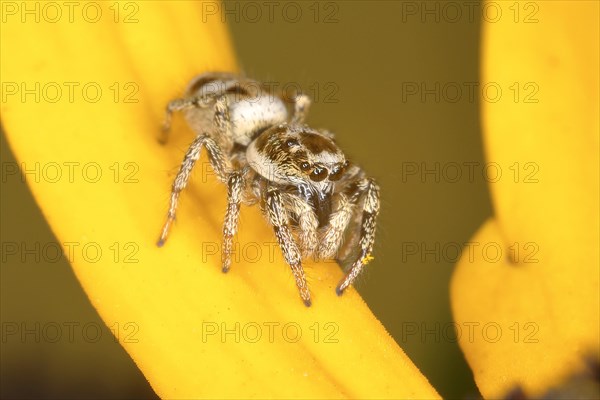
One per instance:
(320, 204)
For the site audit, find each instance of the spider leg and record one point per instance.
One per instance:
(235, 185)
(301, 106)
(355, 176)
(334, 232)
(223, 121)
(307, 223)
(218, 162)
(370, 191)
(277, 215)
(186, 103)
(348, 246)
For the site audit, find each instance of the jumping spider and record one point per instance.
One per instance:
(307, 189)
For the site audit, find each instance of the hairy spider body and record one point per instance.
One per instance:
(308, 191)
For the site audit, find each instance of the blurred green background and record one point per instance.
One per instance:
(383, 77)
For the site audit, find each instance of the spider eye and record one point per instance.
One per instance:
(318, 174)
(304, 166)
(338, 171)
(290, 143)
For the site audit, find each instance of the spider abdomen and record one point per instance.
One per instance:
(252, 115)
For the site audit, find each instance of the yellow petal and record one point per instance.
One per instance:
(193, 331)
(543, 291)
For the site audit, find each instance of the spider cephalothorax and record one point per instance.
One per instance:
(296, 154)
(319, 203)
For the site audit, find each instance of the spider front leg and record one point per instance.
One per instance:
(338, 222)
(350, 242)
(218, 162)
(370, 191)
(307, 223)
(278, 217)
